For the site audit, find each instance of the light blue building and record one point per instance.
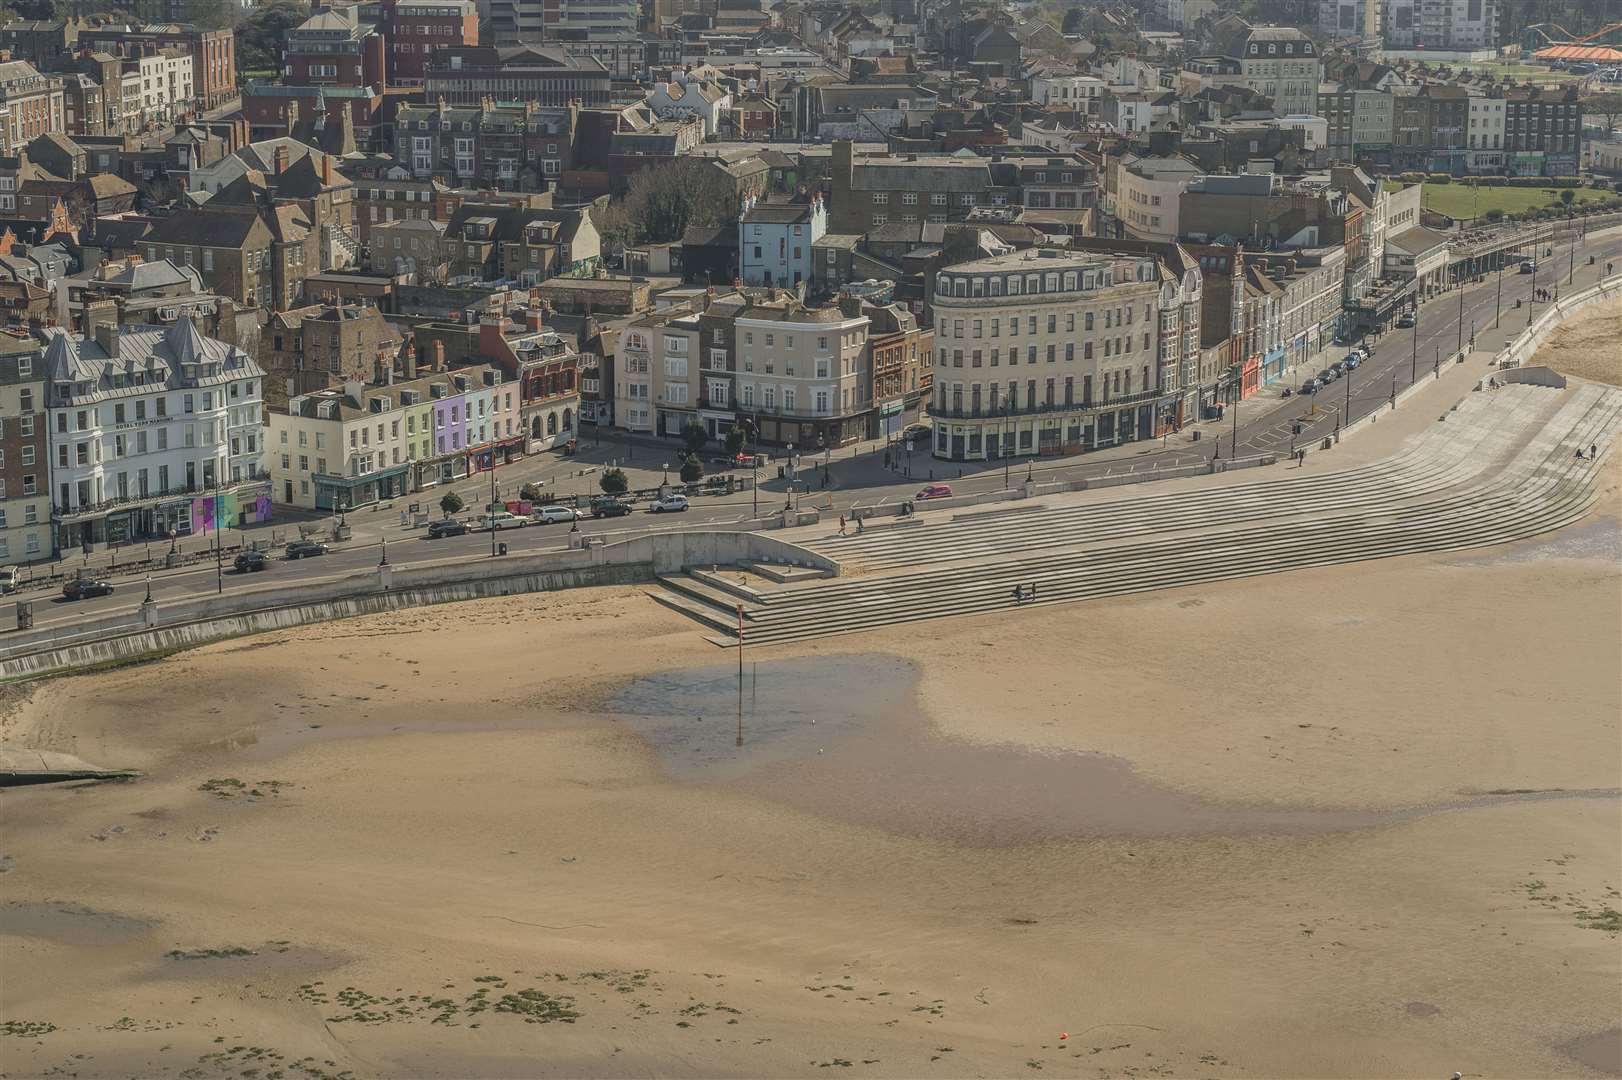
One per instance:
(775, 238)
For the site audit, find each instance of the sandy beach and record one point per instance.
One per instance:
(1352, 822)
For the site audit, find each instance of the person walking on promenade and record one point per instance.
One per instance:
(842, 519)
(1593, 451)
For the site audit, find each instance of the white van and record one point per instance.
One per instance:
(10, 579)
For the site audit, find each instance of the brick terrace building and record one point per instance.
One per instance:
(213, 53)
(25, 490)
(32, 104)
(415, 29)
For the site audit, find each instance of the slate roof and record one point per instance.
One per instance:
(70, 358)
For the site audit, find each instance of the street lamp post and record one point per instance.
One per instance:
(1461, 315)
(1531, 300)
(1413, 367)
(1002, 444)
(1498, 306)
(491, 513)
(1234, 454)
(1346, 413)
(219, 570)
(1571, 270)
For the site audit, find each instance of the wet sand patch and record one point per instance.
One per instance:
(1601, 1051)
(842, 737)
(70, 924)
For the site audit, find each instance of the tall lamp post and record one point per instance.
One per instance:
(1571, 270)
(1498, 306)
(219, 570)
(1413, 367)
(1461, 315)
(491, 513)
(1531, 300)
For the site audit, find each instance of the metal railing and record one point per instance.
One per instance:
(995, 412)
(197, 490)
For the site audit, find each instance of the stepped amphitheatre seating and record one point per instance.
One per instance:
(1500, 467)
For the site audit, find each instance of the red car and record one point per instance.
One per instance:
(935, 491)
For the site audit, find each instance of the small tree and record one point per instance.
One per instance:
(734, 441)
(1567, 196)
(613, 482)
(1494, 214)
(693, 436)
(691, 471)
(530, 493)
(450, 502)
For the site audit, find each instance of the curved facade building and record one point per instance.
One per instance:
(1052, 351)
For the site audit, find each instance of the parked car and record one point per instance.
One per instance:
(668, 504)
(934, 491)
(1352, 361)
(503, 520)
(79, 588)
(1405, 320)
(607, 508)
(916, 433)
(250, 562)
(305, 549)
(1328, 375)
(1528, 265)
(1311, 386)
(552, 515)
(446, 527)
(10, 579)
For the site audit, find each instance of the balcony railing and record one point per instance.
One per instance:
(969, 412)
(198, 490)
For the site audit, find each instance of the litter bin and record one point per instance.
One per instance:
(1196, 434)
(502, 548)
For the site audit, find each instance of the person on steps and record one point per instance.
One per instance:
(1019, 593)
(842, 524)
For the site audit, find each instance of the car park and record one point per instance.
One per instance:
(1311, 386)
(305, 549)
(553, 515)
(934, 491)
(250, 562)
(668, 504)
(446, 527)
(80, 588)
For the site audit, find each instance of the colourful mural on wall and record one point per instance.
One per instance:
(230, 510)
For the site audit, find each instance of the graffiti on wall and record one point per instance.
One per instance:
(231, 510)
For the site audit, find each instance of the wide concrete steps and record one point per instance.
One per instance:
(1441, 459)
(1542, 486)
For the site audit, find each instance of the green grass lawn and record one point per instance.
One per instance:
(1534, 73)
(1458, 200)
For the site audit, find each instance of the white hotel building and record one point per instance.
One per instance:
(1054, 350)
(148, 426)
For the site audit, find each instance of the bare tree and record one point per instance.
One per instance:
(1607, 106)
(663, 201)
